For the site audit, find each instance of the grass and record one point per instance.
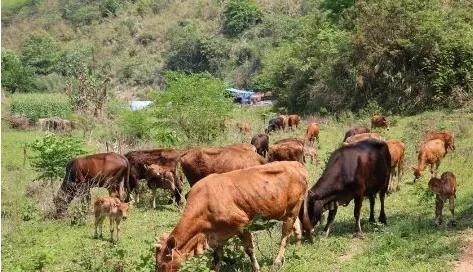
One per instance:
(409, 242)
(11, 4)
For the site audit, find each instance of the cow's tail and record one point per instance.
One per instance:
(307, 225)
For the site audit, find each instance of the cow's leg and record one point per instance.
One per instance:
(117, 224)
(218, 256)
(154, 197)
(298, 231)
(357, 213)
(438, 210)
(331, 218)
(372, 202)
(382, 214)
(99, 223)
(112, 228)
(249, 246)
(451, 204)
(286, 231)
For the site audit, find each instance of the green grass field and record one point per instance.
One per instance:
(11, 4)
(409, 242)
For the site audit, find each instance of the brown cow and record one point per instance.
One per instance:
(112, 208)
(165, 157)
(379, 121)
(432, 152)
(244, 128)
(164, 177)
(444, 188)
(220, 206)
(261, 143)
(242, 146)
(362, 137)
(355, 130)
(291, 140)
(199, 162)
(108, 170)
(310, 152)
(446, 136)
(352, 172)
(396, 150)
(312, 132)
(274, 124)
(289, 151)
(293, 121)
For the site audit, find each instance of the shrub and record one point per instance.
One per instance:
(49, 83)
(51, 154)
(41, 52)
(135, 125)
(110, 7)
(40, 105)
(16, 77)
(239, 15)
(79, 13)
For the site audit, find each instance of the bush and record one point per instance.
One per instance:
(194, 106)
(41, 52)
(40, 105)
(16, 77)
(52, 153)
(239, 15)
(110, 7)
(135, 125)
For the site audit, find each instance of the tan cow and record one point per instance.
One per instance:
(444, 188)
(220, 206)
(396, 150)
(361, 137)
(446, 136)
(432, 153)
(112, 208)
(312, 132)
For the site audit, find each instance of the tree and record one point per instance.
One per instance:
(15, 76)
(40, 52)
(240, 15)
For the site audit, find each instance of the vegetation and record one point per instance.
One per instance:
(40, 105)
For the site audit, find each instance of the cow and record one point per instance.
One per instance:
(274, 124)
(108, 170)
(220, 206)
(396, 150)
(244, 128)
(432, 153)
(293, 121)
(379, 121)
(444, 188)
(261, 143)
(446, 136)
(310, 152)
(242, 146)
(199, 162)
(140, 159)
(163, 176)
(352, 172)
(112, 208)
(289, 151)
(355, 130)
(361, 137)
(291, 140)
(312, 132)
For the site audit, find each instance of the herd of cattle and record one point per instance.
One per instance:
(232, 185)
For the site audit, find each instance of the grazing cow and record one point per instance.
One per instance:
(293, 121)
(312, 133)
(108, 170)
(285, 121)
(244, 128)
(288, 151)
(432, 152)
(446, 136)
(164, 177)
(112, 208)
(261, 143)
(310, 152)
(353, 172)
(444, 188)
(362, 137)
(354, 131)
(396, 150)
(139, 160)
(220, 206)
(199, 162)
(274, 124)
(379, 121)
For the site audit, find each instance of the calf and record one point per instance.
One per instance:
(354, 131)
(312, 133)
(286, 152)
(361, 137)
(396, 150)
(159, 176)
(379, 121)
(432, 153)
(353, 172)
(261, 143)
(310, 152)
(444, 188)
(293, 121)
(112, 208)
(221, 206)
(446, 136)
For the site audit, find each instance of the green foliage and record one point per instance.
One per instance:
(41, 52)
(135, 125)
(146, 263)
(240, 15)
(110, 7)
(197, 264)
(194, 106)
(16, 77)
(51, 154)
(40, 105)
(28, 211)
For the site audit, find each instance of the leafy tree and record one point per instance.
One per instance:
(16, 77)
(40, 52)
(240, 15)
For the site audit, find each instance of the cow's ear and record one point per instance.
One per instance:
(170, 245)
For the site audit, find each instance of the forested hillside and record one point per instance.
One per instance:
(315, 55)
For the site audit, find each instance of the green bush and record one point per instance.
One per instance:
(40, 105)
(239, 15)
(16, 77)
(41, 52)
(80, 13)
(110, 7)
(135, 125)
(51, 154)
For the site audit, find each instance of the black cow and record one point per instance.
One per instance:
(261, 142)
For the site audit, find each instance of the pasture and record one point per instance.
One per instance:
(31, 241)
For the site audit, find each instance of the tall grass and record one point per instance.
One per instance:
(40, 105)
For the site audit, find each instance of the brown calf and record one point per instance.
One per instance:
(312, 132)
(220, 206)
(396, 150)
(261, 143)
(293, 121)
(432, 152)
(444, 188)
(379, 121)
(288, 151)
(446, 136)
(159, 176)
(112, 208)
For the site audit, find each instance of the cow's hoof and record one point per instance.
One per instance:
(452, 223)
(383, 220)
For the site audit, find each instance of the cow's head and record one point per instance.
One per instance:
(122, 210)
(451, 142)
(168, 257)
(417, 172)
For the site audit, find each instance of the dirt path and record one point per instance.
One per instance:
(465, 262)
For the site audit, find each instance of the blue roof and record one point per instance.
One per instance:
(244, 95)
(138, 105)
